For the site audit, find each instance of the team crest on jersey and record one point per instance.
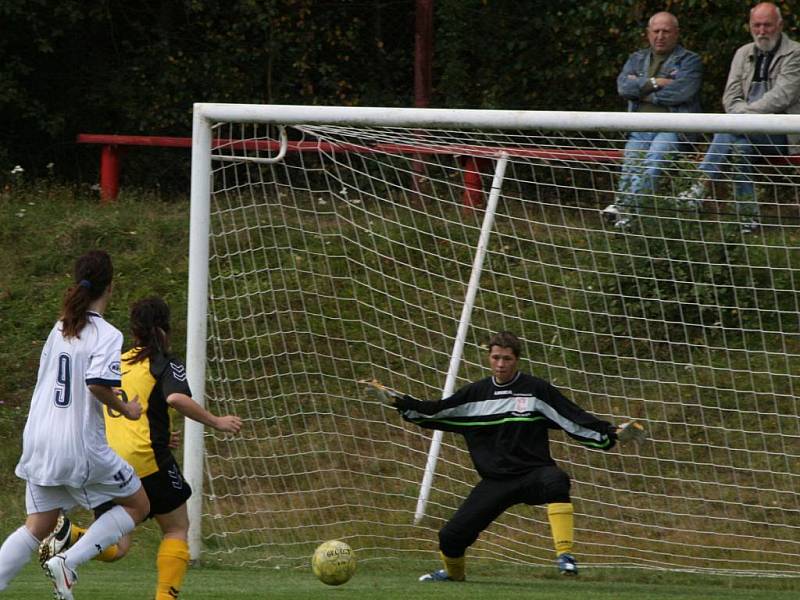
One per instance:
(178, 371)
(521, 405)
(115, 368)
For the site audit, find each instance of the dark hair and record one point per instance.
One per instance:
(150, 327)
(93, 273)
(505, 339)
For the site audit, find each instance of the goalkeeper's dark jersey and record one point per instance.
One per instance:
(506, 426)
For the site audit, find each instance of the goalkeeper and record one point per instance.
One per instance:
(505, 420)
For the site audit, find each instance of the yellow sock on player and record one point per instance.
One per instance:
(172, 562)
(75, 533)
(562, 526)
(454, 566)
(107, 555)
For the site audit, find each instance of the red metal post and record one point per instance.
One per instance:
(109, 173)
(472, 196)
(423, 53)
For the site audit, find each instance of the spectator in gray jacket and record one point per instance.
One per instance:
(764, 78)
(662, 78)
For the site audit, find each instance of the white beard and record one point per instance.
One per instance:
(766, 43)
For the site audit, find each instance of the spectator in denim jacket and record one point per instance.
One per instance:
(662, 78)
(764, 78)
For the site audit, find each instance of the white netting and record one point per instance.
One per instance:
(349, 260)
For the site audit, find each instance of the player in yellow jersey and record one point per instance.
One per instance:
(158, 378)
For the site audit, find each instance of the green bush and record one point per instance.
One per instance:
(137, 69)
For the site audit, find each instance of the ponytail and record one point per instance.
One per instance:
(150, 327)
(93, 273)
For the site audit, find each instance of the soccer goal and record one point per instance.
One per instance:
(333, 245)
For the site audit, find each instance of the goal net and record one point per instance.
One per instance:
(334, 245)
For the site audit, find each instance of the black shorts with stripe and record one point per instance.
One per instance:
(166, 489)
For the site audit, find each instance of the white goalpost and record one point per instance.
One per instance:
(330, 245)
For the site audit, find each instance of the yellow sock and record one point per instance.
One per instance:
(107, 555)
(454, 567)
(75, 533)
(172, 562)
(561, 525)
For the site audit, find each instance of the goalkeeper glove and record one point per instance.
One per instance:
(632, 431)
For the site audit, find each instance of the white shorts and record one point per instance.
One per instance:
(43, 498)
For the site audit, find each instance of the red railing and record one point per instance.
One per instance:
(475, 159)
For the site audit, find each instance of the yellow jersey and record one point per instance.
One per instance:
(144, 443)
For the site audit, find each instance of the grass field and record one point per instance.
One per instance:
(133, 579)
(42, 229)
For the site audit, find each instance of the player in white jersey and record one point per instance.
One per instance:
(151, 372)
(65, 459)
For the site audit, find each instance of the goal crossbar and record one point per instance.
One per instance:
(496, 119)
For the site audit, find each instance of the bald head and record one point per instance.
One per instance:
(766, 9)
(662, 32)
(766, 25)
(660, 16)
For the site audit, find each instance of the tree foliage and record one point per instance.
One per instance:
(136, 68)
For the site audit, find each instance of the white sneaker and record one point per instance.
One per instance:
(62, 576)
(57, 541)
(436, 576)
(567, 565)
(693, 197)
(750, 226)
(614, 216)
(623, 223)
(611, 213)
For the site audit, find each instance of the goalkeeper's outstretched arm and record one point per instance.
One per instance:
(410, 408)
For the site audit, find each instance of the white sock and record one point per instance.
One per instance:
(15, 554)
(105, 531)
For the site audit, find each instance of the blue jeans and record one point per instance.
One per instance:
(739, 150)
(645, 154)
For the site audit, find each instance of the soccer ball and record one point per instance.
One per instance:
(334, 562)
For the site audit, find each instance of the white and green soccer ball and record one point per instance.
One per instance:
(334, 562)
